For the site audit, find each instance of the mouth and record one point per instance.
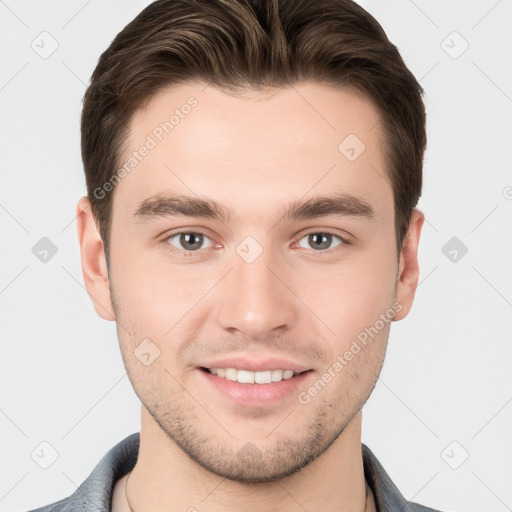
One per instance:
(249, 388)
(251, 377)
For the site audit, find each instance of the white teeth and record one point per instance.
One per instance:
(245, 377)
(263, 377)
(277, 375)
(287, 374)
(231, 374)
(248, 377)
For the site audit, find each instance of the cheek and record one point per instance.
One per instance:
(152, 293)
(151, 381)
(352, 295)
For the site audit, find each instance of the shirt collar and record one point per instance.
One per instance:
(95, 493)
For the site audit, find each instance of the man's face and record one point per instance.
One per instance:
(257, 284)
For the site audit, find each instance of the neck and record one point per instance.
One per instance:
(165, 478)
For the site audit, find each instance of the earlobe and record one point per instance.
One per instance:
(408, 269)
(92, 255)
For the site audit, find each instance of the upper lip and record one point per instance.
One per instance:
(255, 365)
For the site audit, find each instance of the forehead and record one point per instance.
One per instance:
(254, 149)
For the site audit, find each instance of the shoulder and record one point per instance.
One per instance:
(387, 496)
(95, 493)
(416, 507)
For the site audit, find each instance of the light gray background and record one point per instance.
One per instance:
(447, 374)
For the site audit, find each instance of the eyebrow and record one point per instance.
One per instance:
(162, 206)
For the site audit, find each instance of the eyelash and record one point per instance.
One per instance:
(199, 252)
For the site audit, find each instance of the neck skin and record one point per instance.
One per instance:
(165, 478)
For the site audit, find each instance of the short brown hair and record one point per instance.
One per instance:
(233, 44)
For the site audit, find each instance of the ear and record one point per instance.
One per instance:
(408, 269)
(94, 264)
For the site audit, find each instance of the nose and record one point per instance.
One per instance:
(256, 299)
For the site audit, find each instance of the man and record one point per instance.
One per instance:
(252, 168)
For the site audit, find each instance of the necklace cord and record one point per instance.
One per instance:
(125, 493)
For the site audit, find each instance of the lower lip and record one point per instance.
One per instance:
(256, 394)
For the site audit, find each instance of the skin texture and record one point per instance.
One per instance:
(253, 153)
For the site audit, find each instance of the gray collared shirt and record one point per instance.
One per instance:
(95, 493)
